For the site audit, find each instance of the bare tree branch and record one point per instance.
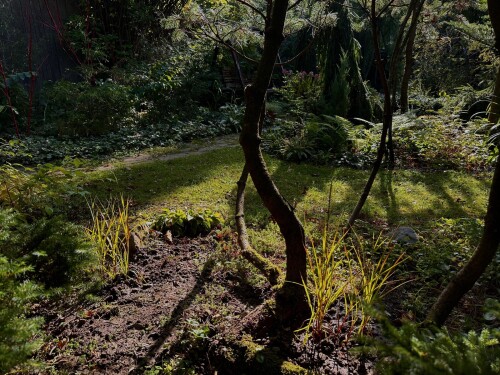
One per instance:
(253, 8)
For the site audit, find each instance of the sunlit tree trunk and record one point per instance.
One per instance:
(250, 140)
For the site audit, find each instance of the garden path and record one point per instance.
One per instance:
(197, 147)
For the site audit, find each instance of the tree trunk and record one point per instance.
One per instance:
(386, 124)
(250, 140)
(490, 241)
(482, 257)
(268, 269)
(494, 109)
(405, 81)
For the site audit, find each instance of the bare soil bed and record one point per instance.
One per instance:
(189, 307)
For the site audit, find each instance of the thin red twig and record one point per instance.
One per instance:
(9, 100)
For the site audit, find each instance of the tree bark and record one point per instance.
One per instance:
(405, 81)
(268, 269)
(250, 140)
(494, 12)
(490, 240)
(482, 257)
(386, 124)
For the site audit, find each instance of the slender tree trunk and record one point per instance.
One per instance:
(412, 33)
(250, 140)
(268, 269)
(386, 124)
(482, 257)
(490, 241)
(494, 109)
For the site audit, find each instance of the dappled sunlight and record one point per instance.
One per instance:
(209, 181)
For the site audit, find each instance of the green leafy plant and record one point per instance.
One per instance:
(52, 247)
(110, 233)
(190, 223)
(77, 109)
(301, 90)
(40, 191)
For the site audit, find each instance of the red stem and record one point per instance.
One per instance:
(9, 101)
(57, 26)
(32, 75)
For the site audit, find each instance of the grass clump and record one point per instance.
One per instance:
(349, 276)
(110, 233)
(327, 285)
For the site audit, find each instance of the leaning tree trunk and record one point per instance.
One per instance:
(265, 266)
(490, 241)
(482, 257)
(386, 124)
(250, 140)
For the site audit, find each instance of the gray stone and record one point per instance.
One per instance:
(405, 235)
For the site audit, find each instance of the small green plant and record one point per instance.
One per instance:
(190, 223)
(110, 234)
(301, 91)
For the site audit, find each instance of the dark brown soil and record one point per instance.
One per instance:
(184, 308)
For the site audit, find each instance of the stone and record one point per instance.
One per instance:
(168, 238)
(134, 243)
(405, 235)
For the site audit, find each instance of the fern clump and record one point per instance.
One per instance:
(415, 350)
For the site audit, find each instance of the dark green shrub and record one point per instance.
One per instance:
(301, 91)
(179, 84)
(76, 109)
(320, 139)
(328, 133)
(52, 248)
(56, 251)
(19, 335)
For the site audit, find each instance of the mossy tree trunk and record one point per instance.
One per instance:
(255, 94)
(490, 240)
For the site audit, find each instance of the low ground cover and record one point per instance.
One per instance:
(445, 209)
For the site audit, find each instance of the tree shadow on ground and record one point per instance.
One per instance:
(388, 196)
(175, 318)
(181, 182)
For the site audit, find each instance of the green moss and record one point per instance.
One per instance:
(289, 368)
(258, 358)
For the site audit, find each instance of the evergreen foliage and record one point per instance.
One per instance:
(19, 335)
(335, 44)
(415, 350)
